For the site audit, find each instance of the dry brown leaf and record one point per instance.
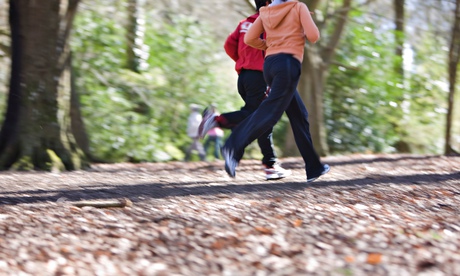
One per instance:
(445, 192)
(297, 223)
(275, 249)
(74, 209)
(293, 250)
(425, 264)
(378, 195)
(235, 219)
(164, 223)
(218, 244)
(264, 230)
(374, 258)
(189, 231)
(99, 253)
(349, 259)
(113, 235)
(64, 250)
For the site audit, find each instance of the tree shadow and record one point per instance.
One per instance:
(369, 160)
(165, 166)
(138, 192)
(248, 165)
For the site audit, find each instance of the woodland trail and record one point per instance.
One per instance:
(371, 215)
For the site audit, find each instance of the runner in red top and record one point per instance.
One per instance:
(252, 88)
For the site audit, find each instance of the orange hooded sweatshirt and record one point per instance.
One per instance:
(286, 26)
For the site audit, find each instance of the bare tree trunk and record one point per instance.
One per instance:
(315, 67)
(36, 132)
(132, 58)
(135, 38)
(77, 124)
(454, 57)
(399, 19)
(399, 35)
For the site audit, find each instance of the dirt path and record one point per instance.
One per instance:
(371, 215)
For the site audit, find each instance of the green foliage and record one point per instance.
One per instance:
(364, 96)
(369, 107)
(142, 117)
(4, 63)
(55, 163)
(23, 164)
(428, 98)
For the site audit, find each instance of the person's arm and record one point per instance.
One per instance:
(231, 44)
(309, 26)
(252, 37)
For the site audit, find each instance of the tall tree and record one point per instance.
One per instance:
(317, 60)
(453, 61)
(131, 30)
(399, 34)
(36, 132)
(136, 50)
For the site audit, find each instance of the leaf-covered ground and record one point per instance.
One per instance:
(371, 215)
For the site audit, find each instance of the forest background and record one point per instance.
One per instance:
(381, 79)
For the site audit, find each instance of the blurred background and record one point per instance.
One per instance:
(382, 78)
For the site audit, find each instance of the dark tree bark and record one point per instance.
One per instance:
(133, 61)
(399, 21)
(315, 66)
(399, 35)
(454, 58)
(76, 118)
(36, 132)
(135, 37)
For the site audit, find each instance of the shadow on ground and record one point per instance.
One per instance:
(136, 192)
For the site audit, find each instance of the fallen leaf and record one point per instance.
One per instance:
(235, 219)
(425, 264)
(189, 231)
(275, 249)
(374, 258)
(297, 223)
(74, 209)
(264, 230)
(218, 244)
(349, 259)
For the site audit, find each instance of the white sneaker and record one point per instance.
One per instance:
(276, 172)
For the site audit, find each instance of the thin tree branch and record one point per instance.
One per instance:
(329, 50)
(348, 67)
(105, 203)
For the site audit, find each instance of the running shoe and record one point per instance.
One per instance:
(326, 169)
(230, 162)
(276, 172)
(208, 122)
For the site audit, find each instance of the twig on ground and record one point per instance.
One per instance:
(106, 203)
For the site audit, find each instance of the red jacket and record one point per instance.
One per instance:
(246, 57)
